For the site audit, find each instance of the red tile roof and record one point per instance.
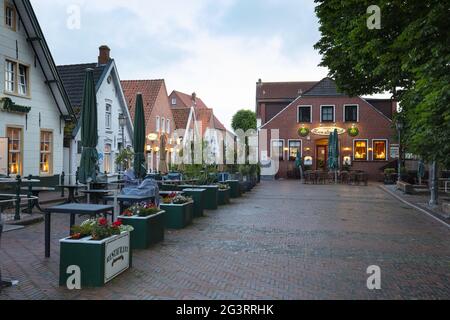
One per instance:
(282, 90)
(149, 89)
(219, 125)
(181, 117)
(186, 100)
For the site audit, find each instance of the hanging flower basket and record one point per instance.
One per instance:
(353, 132)
(303, 132)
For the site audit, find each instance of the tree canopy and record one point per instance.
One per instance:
(408, 56)
(244, 120)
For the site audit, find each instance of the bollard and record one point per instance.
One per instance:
(19, 182)
(30, 194)
(61, 182)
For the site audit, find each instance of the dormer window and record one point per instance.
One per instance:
(174, 101)
(10, 16)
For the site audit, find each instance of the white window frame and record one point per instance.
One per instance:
(282, 149)
(387, 150)
(354, 149)
(8, 73)
(157, 124)
(163, 125)
(19, 151)
(17, 78)
(334, 113)
(289, 147)
(174, 101)
(168, 126)
(310, 110)
(49, 152)
(108, 115)
(357, 112)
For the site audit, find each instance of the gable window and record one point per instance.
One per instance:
(16, 82)
(327, 114)
(174, 101)
(157, 124)
(10, 16)
(163, 125)
(351, 113)
(108, 116)
(15, 150)
(295, 146)
(168, 126)
(304, 114)
(278, 149)
(45, 164)
(360, 150)
(379, 150)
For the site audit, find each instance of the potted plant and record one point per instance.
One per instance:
(390, 176)
(234, 185)
(101, 250)
(147, 221)
(179, 211)
(223, 194)
(198, 195)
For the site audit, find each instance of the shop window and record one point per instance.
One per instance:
(15, 150)
(45, 165)
(360, 150)
(295, 146)
(278, 149)
(380, 150)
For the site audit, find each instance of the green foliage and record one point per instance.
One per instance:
(125, 158)
(244, 120)
(408, 57)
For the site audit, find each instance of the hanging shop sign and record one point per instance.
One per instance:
(8, 105)
(394, 151)
(325, 131)
(4, 156)
(353, 132)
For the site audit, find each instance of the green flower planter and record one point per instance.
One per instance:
(198, 195)
(211, 197)
(147, 230)
(178, 216)
(99, 261)
(234, 188)
(224, 197)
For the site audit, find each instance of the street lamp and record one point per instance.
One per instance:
(399, 126)
(122, 124)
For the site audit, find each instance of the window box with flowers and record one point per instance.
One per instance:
(102, 251)
(198, 195)
(179, 211)
(147, 221)
(224, 194)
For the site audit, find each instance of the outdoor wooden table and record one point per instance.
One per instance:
(122, 199)
(97, 195)
(35, 191)
(72, 188)
(73, 209)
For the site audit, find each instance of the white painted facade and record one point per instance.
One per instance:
(45, 114)
(109, 92)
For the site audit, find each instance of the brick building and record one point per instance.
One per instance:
(306, 112)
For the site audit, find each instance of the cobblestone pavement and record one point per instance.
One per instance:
(284, 240)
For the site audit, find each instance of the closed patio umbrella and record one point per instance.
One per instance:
(330, 151)
(89, 134)
(298, 164)
(336, 153)
(139, 139)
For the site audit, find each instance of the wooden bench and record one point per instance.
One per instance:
(405, 187)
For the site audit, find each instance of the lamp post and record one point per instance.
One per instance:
(122, 124)
(399, 126)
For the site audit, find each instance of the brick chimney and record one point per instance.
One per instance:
(194, 99)
(104, 55)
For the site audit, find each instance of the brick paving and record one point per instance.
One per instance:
(284, 240)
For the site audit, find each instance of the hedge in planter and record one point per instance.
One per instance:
(148, 224)
(101, 251)
(198, 195)
(179, 211)
(212, 197)
(224, 195)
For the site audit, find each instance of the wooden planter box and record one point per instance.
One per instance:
(147, 230)
(178, 216)
(234, 188)
(211, 197)
(224, 197)
(198, 195)
(99, 261)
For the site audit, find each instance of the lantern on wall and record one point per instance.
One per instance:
(303, 132)
(353, 131)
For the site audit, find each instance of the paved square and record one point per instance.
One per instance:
(284, 240)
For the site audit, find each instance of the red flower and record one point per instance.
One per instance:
(103, 222)
(117, 224)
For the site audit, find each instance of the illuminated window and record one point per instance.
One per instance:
(295, 146)
(15, 150)
(380, 150)
(278, 149)
(107, 159)
(360, 150)
(46, 152)
(10, 16)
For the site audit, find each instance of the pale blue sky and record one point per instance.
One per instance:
(217, 48)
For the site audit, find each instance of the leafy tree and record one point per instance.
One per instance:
(409, 57)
